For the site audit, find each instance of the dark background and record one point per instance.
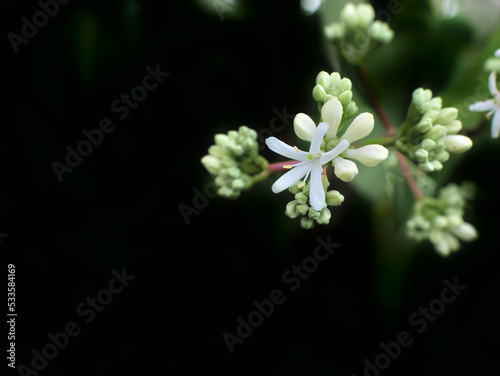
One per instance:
(120, 207)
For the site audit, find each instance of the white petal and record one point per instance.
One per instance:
(495, 124)
(345, 170)
(285, 150)
(332, 114)
(340, 148)
(291, 177)
(361, 127)
(316, 191)
(369, 155)
(483, 106)
(304, 127)
(492, 83)
(318, 138)
(457, 143)
(497, 53)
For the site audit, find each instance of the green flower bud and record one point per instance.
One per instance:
(421, 155)
(238, 184)
(436, 165)
(424, 125)
(381, 32)
(319, 93)
(345, 98)
(211, 163)
(446, 115)
(335, 31)
(443, 156)
(334, 198)
(428, 144)
(349, 16)
(454, 127)
(306, 223)
(350, 110)
(324, 217)
(291, 209)
(302, 209)
(335, 79)
(301, 198)
(436, 133)
(366, 15)
(314, 214)
(323, 79)
(421, 96)
(221, 139)
(345, 85)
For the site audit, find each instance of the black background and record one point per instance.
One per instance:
(120, 208)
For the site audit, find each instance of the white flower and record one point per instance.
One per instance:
(491, 105)
(309, 162)
(361, 126)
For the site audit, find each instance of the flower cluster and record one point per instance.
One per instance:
(235, 162)
(329, 86)
(440, 220)
(358, 33)
(301, 207)
(326, 148)
(430, 132)
(491, 106)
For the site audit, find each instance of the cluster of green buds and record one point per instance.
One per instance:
(329, 86)
(358, 33)
(301, 207)
(235, 162)
(440, 219)
(430, 132)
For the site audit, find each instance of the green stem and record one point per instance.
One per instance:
(384, 141)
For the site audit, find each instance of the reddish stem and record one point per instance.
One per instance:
(380, 111)
(409, 177)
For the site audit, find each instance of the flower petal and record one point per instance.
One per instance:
(304, 127)
(340, 148)
(497, 53)
(332, 114)
(285, 150)
(316, 191)
(318, 138)
(345, 170)
(483, 106)
(291, 177)
(361, 127)
(492, 83)
(369, 155)
(495, 124)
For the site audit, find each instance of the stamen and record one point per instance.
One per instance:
(320, 153)
(301, 184)
(288, 166)
(296, 149)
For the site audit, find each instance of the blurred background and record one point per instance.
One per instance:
(230, 63)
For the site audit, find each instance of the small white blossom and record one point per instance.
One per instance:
(309, 163)
(491, 105)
